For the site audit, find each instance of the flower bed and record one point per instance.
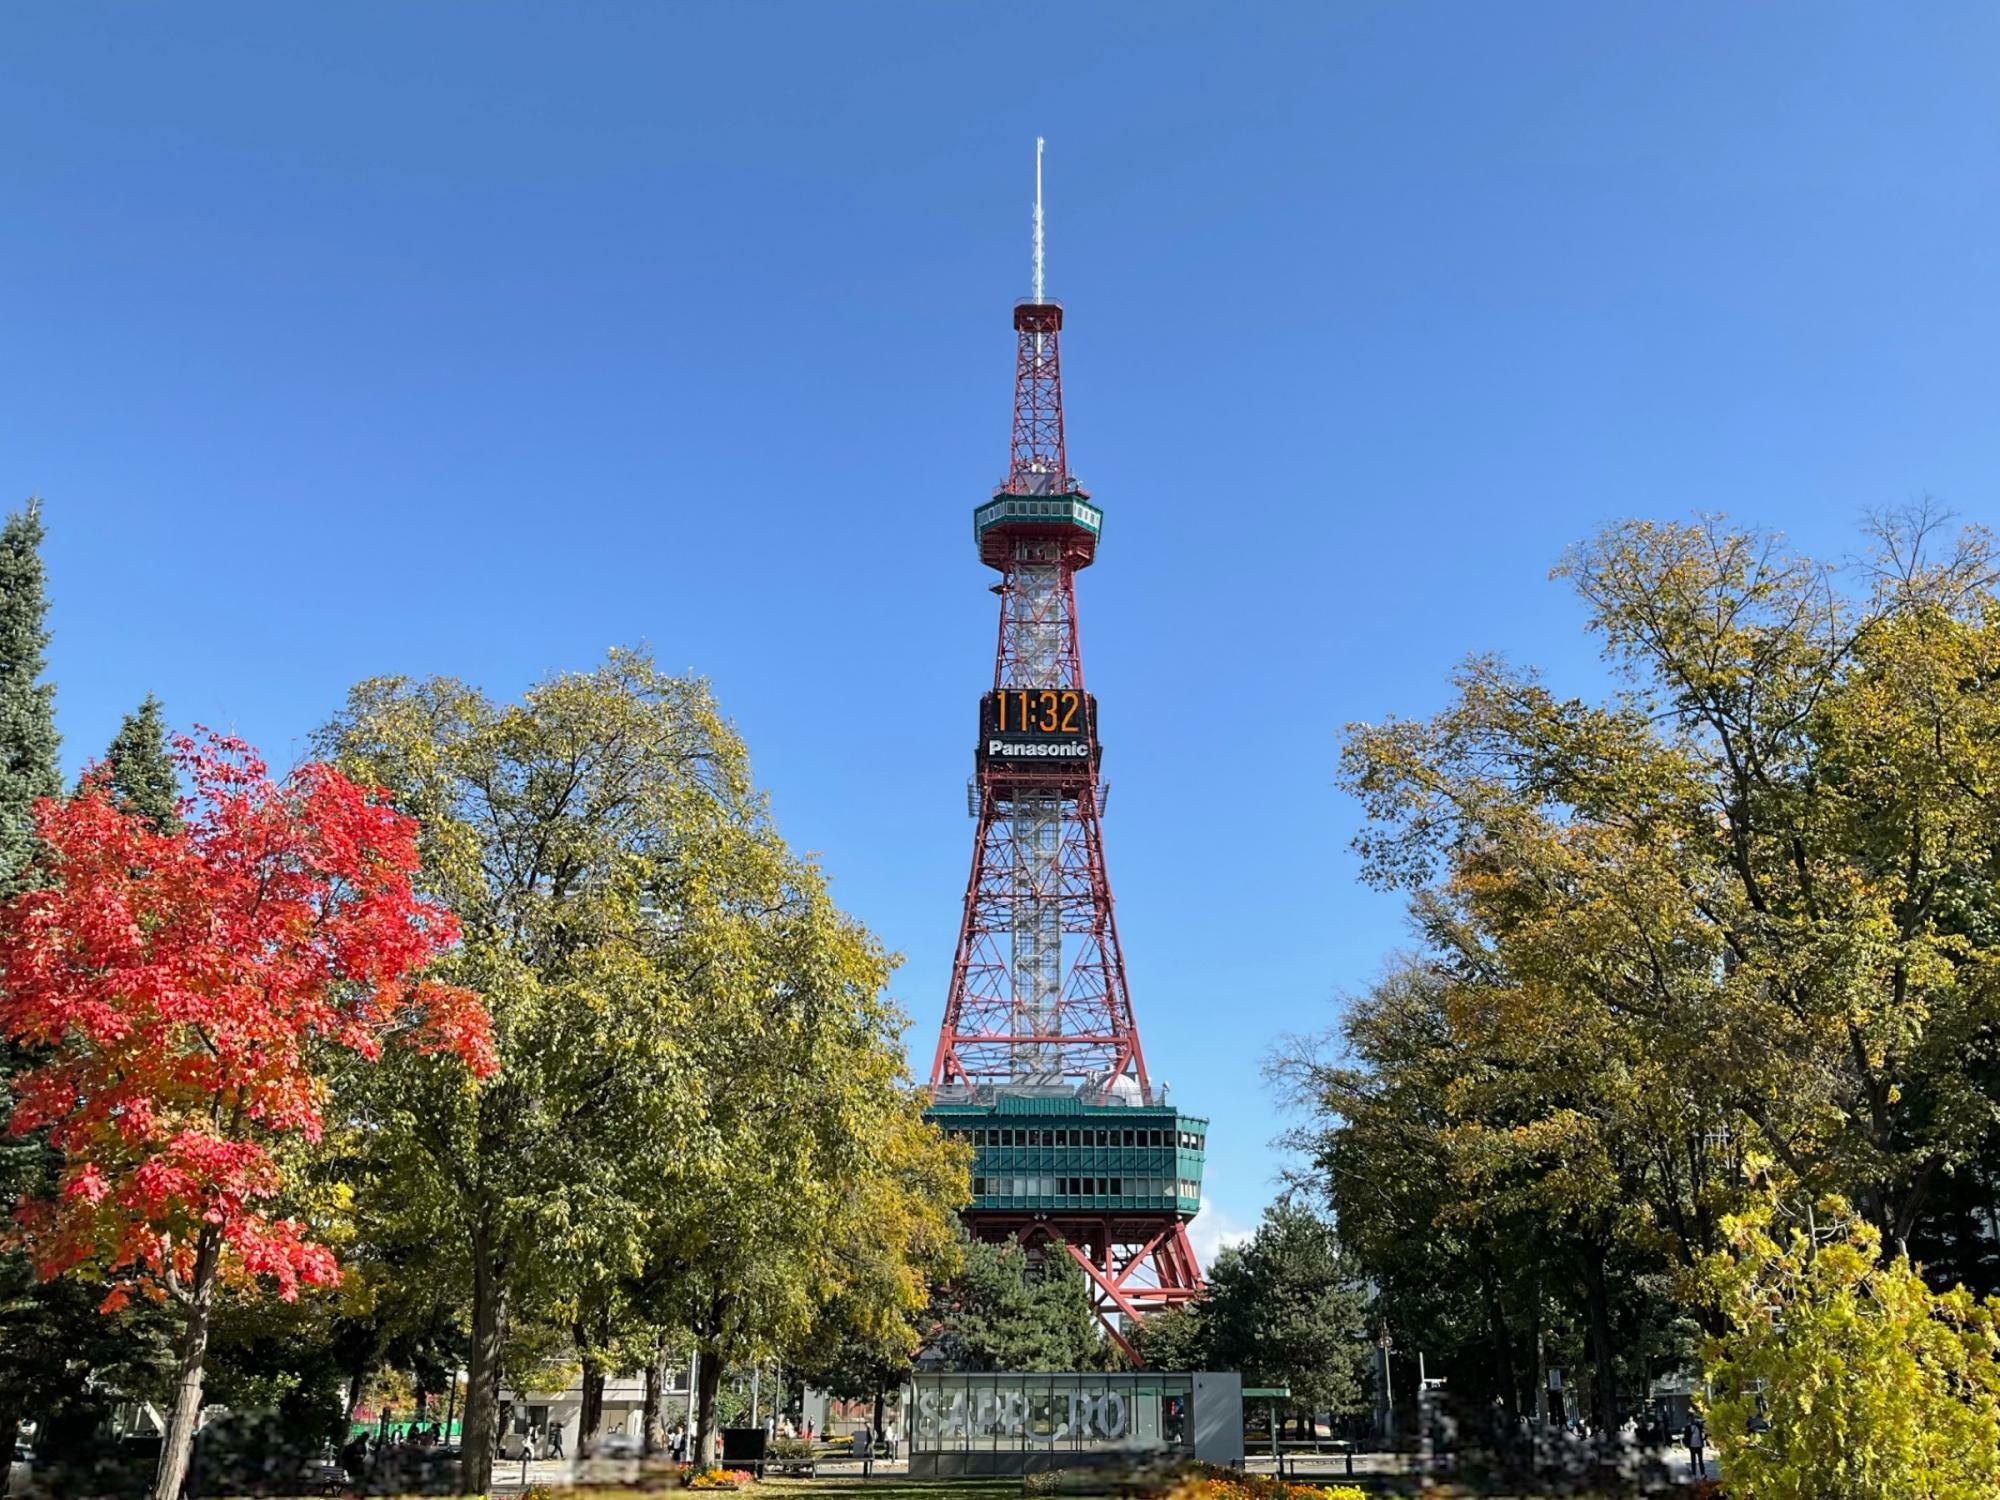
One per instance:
(1225, 1484)
(718, 1479)
(1183, 1481)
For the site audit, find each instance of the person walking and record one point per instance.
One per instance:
(1697, 1445)
(354, 1457)
(555, 1440)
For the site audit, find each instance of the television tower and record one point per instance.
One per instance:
(1038, 1062)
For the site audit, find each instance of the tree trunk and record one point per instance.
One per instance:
(356, 1378)
(877, 1434)
(482, 1387)
(178, 1444)
(1606, 1372)
(1541, 1363)
(1503, 1343)
(708, 1378)
(10, 1433)
(592, 1416)
(653, 1427)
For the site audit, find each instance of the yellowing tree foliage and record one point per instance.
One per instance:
(1733, 927)
(703, 1124)
(1842, 1374)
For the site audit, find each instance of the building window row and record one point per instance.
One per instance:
(1186, 1140)
(1082, 1187)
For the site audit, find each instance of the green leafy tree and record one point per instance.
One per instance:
(283, 1358)
(1480, 1242)
(904, 1242)
(1733, 925)
(556, 829)
(700, 1077)
(1767, 862)
(828, 1197)
(1842, 1374)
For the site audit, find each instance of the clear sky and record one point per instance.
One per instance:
(476, 338)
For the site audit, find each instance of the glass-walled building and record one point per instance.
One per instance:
(1042, 1154)
(1011, 1424)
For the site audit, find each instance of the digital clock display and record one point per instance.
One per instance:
(1041, 725)
(1062, 711)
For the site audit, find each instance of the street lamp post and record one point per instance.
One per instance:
(694, 1376)
(1427, 1390)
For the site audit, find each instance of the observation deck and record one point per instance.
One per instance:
(1043, 1155)
(1069, 517)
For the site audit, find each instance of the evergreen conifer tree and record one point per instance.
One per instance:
(142, 770)
(998, 1313)
(62, 1362)
(27, 704)
(27, 771)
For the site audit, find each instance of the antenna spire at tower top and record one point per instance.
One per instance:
(1038, 218)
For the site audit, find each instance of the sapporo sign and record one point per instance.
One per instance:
(997, 1412)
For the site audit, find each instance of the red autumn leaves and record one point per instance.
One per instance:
(172, 990)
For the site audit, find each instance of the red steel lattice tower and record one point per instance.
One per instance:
(1038, 1061)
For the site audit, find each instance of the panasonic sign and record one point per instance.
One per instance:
(1002, 749)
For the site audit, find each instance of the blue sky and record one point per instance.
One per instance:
(478, 338)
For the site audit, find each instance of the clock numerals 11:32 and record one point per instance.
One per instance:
(1037, 711)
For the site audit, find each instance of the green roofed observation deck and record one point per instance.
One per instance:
(1039, 1154)
(1069, 516)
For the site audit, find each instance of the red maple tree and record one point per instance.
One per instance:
(177, 991)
